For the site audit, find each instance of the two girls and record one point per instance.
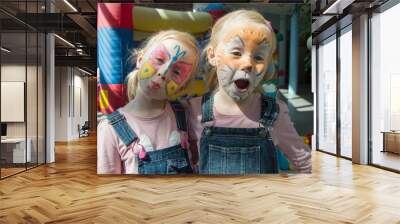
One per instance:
(233, 129)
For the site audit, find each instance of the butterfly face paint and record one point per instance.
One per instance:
(242, 60)
(165, 69)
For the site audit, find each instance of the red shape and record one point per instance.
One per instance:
(116, 96)
(281, 73)
(184, 71)
(216, 14)
(114, 15)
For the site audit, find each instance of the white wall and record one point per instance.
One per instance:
(16, 73)
(33, 126)
(71, 102)
(9, 73)
(61, 103)
(80, 110)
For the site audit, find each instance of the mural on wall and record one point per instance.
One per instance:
(121, 28)
(138, 59)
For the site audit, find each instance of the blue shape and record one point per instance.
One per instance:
(271, 83)
(293, 53)
(213, 6)
(114, 47)
(270, 69)
(282, 161)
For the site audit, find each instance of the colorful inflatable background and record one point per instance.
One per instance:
(120, 31)
(123, 26)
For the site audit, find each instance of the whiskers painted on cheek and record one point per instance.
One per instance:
(227, 69)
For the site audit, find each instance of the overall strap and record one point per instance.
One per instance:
(180, 115)
(121, 127)
(207, 103)
(269, 111)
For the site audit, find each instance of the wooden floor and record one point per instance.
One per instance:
(10, 171)
(388, 159)
(69, 191)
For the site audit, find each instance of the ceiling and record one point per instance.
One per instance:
(75, 21)
(72, 20)
(336, 15)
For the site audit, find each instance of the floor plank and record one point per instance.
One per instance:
(70, 191)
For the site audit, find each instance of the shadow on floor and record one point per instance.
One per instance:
(301, 108)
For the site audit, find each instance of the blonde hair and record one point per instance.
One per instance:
(184, 37)
(238, 16)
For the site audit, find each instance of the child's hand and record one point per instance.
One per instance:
(193, 153)
(184, 140)
(195, 168)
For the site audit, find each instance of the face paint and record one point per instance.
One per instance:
(162, 75)
(180, 72)
(147, 71)
(177, 71)
(179, 53)
(172, 87)
(234, 46)
(160, 56)
(238, 84)
(242, 58)
(157, 57)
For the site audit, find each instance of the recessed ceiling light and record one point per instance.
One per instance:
(5, 50)
(64, 40)
(70, 5)
(84, 71)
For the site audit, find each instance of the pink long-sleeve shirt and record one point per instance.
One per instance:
(113, 157)
(283, 132)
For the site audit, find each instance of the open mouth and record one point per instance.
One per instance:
(242, 84)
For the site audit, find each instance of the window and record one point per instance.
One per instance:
(326, 104)
(346, 92)
(385, 89)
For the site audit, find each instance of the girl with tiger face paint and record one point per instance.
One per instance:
(235, 127)
(241, 59)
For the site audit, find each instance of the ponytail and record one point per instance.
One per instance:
(132, 84)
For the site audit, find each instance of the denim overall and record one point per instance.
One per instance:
(171, 160)
(238, 150)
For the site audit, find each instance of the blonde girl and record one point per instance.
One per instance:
(148, 135)
(234, 126)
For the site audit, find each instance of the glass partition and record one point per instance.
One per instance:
(22, 88)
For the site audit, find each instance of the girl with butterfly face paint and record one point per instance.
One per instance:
(234, 127)
(149, 134)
